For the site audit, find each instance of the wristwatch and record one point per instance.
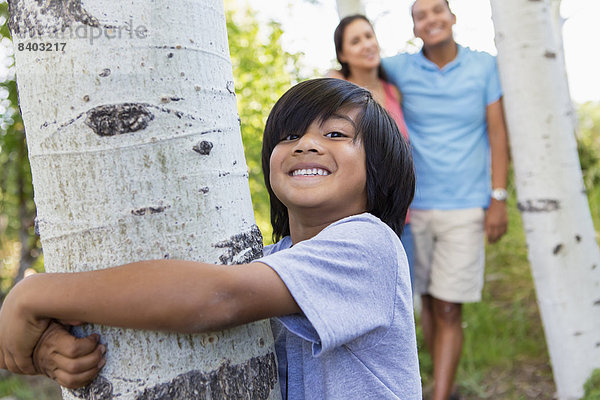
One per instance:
(499, 194)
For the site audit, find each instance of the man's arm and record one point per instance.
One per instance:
(496, 219)
(170, 295)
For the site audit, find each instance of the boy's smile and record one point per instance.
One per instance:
(309, 172)
(323, 170)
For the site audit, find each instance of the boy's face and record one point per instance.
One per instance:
(323, 170)
(433, 21)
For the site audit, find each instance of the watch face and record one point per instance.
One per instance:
(499, 194)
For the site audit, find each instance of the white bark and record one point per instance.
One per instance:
(120, 123)
(557, 27)
(350, 7)
(563, 252)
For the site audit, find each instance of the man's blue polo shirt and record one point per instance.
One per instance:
(445, 112)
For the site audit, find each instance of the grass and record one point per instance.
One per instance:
(592, 387)
(594, 202)
(504, 353)
(28, 388)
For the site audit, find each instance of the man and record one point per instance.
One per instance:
(452, 103)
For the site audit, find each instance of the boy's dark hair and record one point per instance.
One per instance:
(338, 40)
(389, 165)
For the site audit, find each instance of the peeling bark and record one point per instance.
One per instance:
(252, 380)
(99, 389)
(242, 248)
(50, 16)
(203, 148)
(539, 205)
(117, 119)
(149, 210)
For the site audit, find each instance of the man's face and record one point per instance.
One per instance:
(433, 21)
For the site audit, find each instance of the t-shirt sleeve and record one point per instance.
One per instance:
(494, 90)
(394, 67)
(344, 281)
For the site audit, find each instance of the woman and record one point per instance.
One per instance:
(357, 51)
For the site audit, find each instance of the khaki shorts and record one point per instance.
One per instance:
(449, 253)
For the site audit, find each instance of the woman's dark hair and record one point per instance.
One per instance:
(338, 40)
(389, 165)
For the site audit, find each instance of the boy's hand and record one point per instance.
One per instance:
(19, 332)
(72, 362)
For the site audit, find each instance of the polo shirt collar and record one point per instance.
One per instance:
(425, 63)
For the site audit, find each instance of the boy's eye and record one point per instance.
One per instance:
(290, 137)
(335, 134)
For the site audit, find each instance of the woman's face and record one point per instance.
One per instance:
(359, 46)
(433, 22)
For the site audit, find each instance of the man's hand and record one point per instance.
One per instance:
(19, 332)
(496, 220)
(72, 362)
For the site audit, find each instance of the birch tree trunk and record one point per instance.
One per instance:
(563, 252)
(350, 7)
(557, 24)
(135, 149)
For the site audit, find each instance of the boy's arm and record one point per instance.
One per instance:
(170, 295)
(496, 218)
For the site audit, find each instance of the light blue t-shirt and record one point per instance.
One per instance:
(445, 111)
(355, 337)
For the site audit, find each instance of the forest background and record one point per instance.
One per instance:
(505, 354)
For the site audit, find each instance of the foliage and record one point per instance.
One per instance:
(592, 386)
(588, 142)
(27, 388)
(262, 73)
(588, 145)
(14, 386)
(17, 210)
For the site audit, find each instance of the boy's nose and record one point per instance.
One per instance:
(307, 143)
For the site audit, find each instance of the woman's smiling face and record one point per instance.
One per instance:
(359, 45)
(323, 170)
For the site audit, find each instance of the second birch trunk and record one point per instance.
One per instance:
(563, 251)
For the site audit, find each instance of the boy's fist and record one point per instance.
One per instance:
(70, 361)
